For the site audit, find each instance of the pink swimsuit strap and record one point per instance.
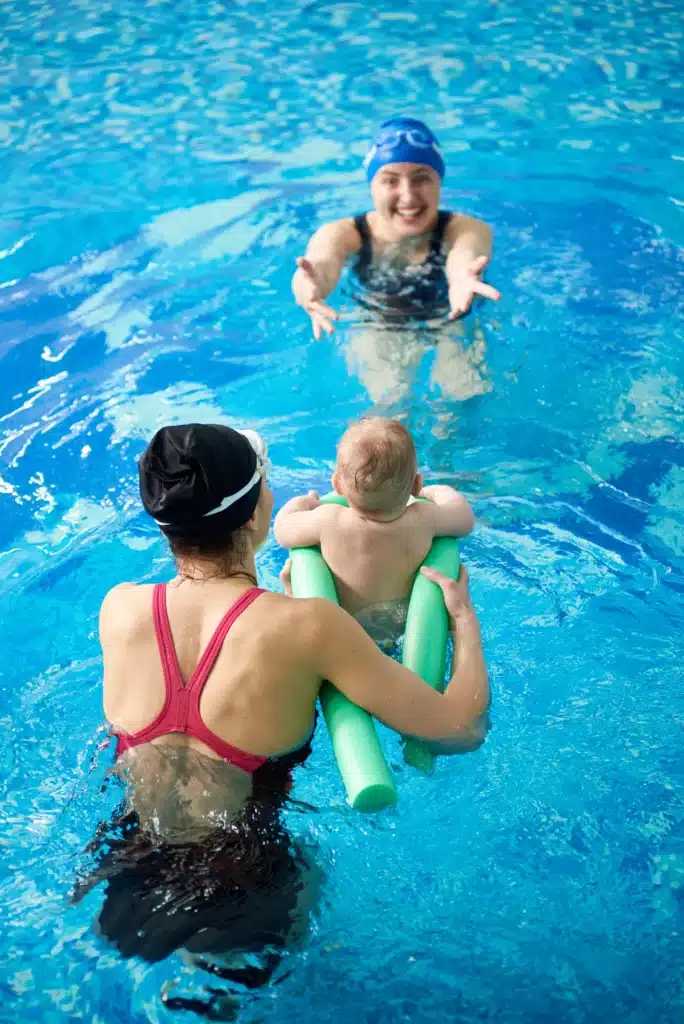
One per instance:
(181, 712)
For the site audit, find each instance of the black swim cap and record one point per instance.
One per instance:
(201, 479)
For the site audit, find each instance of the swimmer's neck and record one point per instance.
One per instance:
(217, 571)
(379, 517)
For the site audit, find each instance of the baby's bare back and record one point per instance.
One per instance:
(375, 562)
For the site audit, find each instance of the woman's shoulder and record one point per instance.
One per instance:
(343, 234)
(293, 609)
(459, 223)
(298, 620)
(125, 592)
(125, 606)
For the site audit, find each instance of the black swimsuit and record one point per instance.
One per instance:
(236, 889)
(416, 291)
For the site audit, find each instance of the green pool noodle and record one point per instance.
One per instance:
(366, 775)
(427, 632)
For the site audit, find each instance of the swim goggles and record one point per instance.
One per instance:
(391, 137)
(398, 139)
(260, 449)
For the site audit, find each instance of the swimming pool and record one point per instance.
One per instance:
(164, 166)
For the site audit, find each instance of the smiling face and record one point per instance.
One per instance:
(406, 198)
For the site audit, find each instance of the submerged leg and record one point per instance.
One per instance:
(460, 370)
(385, 360)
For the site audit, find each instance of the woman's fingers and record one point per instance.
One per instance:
(460, 307)
(307, 266)
(322, 310)
(321, 318)
(489, 292)
(478, 264)
(456, 596)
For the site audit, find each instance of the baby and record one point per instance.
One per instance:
(375, 546)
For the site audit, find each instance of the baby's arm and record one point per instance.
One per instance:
(448, 511)
(300, 522)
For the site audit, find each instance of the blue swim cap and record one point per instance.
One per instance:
(403, 140)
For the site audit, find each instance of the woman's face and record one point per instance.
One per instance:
(406, 198)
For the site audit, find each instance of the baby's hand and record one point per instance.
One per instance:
(451, 514)
(440, 493)
(294, 530)
(307, 502)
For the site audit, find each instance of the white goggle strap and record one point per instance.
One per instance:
(260, 449)
(230, 499)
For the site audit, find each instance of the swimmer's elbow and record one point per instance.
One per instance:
(285, 530)
(454, 518)
(291, 535)
(466, 740)
(467, 521)
(280, 534)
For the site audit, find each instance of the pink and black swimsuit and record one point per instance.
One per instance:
(181, 710)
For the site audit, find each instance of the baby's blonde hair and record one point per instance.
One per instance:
(376, 464)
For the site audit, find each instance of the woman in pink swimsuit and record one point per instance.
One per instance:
(210, 687)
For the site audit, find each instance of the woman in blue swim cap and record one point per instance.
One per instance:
(411, 260)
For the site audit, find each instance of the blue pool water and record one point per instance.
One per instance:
(163, 166)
